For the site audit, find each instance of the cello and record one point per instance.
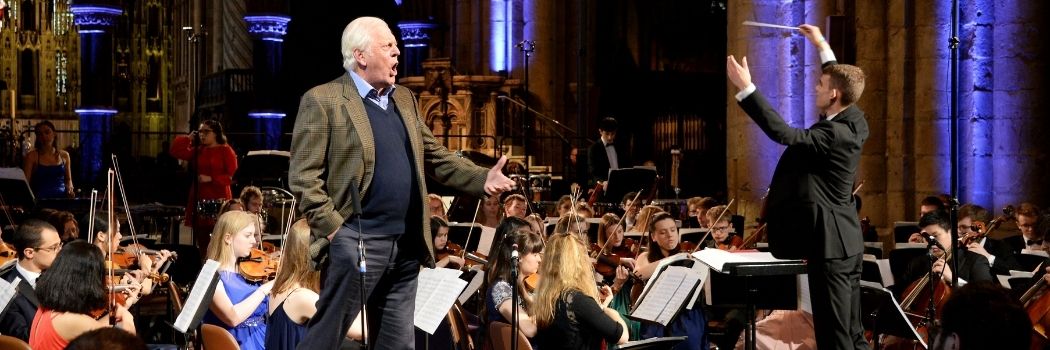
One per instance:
(1036, 303)
(919, 295)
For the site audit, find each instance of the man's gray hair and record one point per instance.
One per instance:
(358, 36)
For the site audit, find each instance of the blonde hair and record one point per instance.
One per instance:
(229, 223)
(295, 262)
(566, 267)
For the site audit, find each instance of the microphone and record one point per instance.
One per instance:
(929, 239)
(514, 252)
(355, 201)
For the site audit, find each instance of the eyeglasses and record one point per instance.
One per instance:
(721, 229)
(52, 248)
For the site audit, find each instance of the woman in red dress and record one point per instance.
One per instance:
(215, 163)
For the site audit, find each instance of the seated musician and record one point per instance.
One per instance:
(252, 198)
(997, 252)
(238, 305)
(973, 267)
(515, 205)
(36, 245)
(564, 205)
(490, 213)
(536, 224)
(983, 316)
(233, 204)
(498, 306)
(147, 266)
(62, 220)
(74, 299)
(436, 206)
(445, 254)
(645, 217)
(570, 312)
(1028, 216)
(721, 229)
(573, 224)
(294, 292)
(931, 203)
(664, 242)
(616, 255)
(584, 210)
(630, 208)
(698, 207)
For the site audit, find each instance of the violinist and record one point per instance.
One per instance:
(294, 292)
(515, 205)
(436, 206)
(445, 252)
(124, 258)
(573, 224)
(569, 310)
(73, 288)
(698, 207)
(722, 236)
(238, 305)
(1028, 217)
(36, 244)
(617, 256)
(490, 213)
(232, 204)
(664, 242)
(498, 306)
(564, 206)
(644, 218)
(973, 267)
(997, 252)
(536, 225)
(630, 208)
(63, 221)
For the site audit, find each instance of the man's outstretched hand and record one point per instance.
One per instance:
(496, 182)
(738, 74)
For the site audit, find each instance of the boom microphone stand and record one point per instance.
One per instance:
(527, 47)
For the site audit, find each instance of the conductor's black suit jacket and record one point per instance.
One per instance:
(809, 210)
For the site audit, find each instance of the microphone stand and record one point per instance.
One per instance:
(526, 47)
(953, 127)
(931, 307)
(514, 297)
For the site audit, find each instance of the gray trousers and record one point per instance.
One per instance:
(390, 290)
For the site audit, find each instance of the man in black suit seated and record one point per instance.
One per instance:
(606, 154)
(1028, 217)
(36, 244)
(973, 267)
(997, 252)
(809, 210)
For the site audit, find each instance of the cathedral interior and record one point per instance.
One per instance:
(531, 79)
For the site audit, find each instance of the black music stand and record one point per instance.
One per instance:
(626, 180)
(658, 343)
(15, 188)
(882, 314)
(457, 233)
(739, 284)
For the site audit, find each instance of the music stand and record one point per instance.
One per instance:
(458, 233)
(882, 314)
(15, 188)
(658, 343)
(623, 181)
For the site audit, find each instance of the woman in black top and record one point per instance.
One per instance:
(568, 309)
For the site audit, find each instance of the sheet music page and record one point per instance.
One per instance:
(8, 290)
(667, 295)
(659, 266)
(1035, 252)
(717, 258)
(885, 272)
(436, 291)
(474, 284)
(485, 242)
(804, 301)
(196, 298)
(911, 246)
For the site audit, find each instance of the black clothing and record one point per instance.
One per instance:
(579, 323)
(19, 316)
(598, 160)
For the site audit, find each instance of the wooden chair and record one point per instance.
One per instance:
(500, 338)
(216, 338)
(12, 343)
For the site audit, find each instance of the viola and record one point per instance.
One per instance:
(450, 249)
(532, 282)
(258, 266)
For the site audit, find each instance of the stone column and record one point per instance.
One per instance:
(96, 111)
(268, 32)
(415, 37)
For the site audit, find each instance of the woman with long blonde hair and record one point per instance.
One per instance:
(238, 305)
(568, 309)
(294, 291)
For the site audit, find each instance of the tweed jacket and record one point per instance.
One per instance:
(333, 148)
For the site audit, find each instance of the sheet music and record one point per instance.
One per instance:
(436, 291)
(485, 242)
(196, 300)
(473, 285)
(665, 298)
(659, 266)
(885, 274)
(1041, 253)
(717, 258)
(8, 290)
(911, 246)
(804, 301)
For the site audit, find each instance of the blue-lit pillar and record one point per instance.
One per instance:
(268, 32)
(415, 37)
(96, 92)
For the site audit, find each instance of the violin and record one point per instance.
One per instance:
(607, 262)
(450, 249)
(7, 252)
(734, 242)
(753, 239)
(258, 266)
(532, 282)
(980, 230)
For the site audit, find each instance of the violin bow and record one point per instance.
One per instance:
(857, 188)
(111, 219)
(712, 228)
(470, 230)
(284, 236)
(124, 199)
(91, 215)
